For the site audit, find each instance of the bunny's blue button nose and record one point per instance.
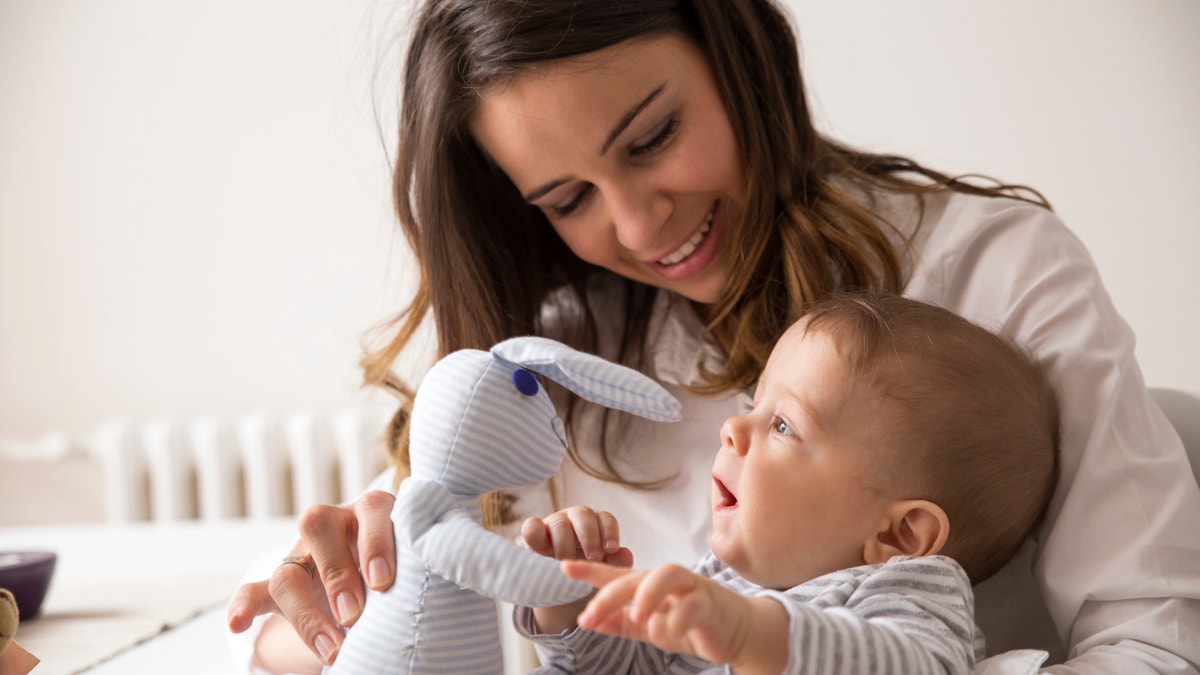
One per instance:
(525, 382)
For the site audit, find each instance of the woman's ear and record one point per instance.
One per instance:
(913, 527)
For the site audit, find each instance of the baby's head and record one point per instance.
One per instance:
(885, 426)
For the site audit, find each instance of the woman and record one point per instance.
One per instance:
(643, 180)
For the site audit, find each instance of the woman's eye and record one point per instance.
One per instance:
(564, 210)
(660, 139)
(780, 426)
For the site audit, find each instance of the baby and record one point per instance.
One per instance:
(894, 455)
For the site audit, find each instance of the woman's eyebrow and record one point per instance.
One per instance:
(536, 193)
(629, 117)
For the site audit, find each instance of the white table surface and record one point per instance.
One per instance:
(143, 597)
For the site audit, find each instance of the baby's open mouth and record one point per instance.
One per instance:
(727, 500)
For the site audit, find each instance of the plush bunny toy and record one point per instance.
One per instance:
(480, 422)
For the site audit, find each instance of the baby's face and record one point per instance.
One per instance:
(790, 490)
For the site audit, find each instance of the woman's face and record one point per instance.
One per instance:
(630, 154)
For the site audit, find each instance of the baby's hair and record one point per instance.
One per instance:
(977, 421)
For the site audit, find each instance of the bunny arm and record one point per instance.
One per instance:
(454, 545)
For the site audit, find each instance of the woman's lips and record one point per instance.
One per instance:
(695, 254)
(689, 247)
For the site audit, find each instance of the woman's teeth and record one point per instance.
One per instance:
(690, 247)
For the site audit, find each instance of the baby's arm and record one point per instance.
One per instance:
(679, 611)
(574, 533)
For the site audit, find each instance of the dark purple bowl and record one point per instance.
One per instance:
(27, 575)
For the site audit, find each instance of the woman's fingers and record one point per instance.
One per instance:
(291, 594)
(325, 588)
(249, 601)
(376, 538)
(298, 597)
(328, 532)
(340, 538)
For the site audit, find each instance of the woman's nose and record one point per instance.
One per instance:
(733, 435)
(638, 215)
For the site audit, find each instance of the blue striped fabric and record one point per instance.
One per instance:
(473, 432)
(597, 380)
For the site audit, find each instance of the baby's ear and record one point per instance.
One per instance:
(913, 527)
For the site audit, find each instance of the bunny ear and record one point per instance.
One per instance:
(593, 378)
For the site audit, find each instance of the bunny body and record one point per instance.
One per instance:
(480, 423)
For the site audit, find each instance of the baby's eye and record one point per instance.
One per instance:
(780, 426)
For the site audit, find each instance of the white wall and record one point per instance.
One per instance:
(193, 195)
(1094, 102)
(194, 213)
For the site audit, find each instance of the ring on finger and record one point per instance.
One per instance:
(300, 560)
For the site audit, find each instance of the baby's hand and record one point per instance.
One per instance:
(571, 534)
(577, 532)
(669, 607)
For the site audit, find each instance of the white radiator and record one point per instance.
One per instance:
(255, 466)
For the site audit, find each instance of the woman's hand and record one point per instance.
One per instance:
(575, 533)
(343, 546)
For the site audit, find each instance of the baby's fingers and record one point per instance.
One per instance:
(610, 532)
(536, 536)
(617, 587)
(596, 574)
(657, 587)
(580, 531)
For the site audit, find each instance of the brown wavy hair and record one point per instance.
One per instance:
(488, 261)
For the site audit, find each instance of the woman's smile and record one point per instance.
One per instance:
(630, 155)
(697, 252)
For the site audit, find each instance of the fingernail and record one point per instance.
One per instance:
(612, 545)
(348, 608)
(326, 647)
(377, 573)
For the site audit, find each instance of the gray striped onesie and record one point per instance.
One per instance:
(908, 615)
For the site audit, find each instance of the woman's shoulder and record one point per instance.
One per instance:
(966, 240)
(955, 220)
